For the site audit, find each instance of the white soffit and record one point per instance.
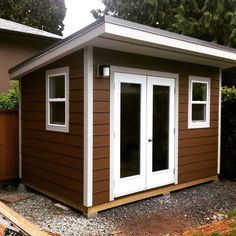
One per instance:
(161, 52)
(188, 50)
(121, 35)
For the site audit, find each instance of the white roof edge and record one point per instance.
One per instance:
(174, 43)
(10, 26)
(120, 28)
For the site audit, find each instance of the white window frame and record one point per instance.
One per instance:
(51, 73)
(199, 124)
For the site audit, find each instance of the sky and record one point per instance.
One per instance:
(78, 14)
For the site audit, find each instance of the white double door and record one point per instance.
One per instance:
(143, 145)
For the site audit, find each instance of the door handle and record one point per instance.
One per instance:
(149, 140)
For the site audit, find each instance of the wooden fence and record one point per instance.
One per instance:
(9, 145)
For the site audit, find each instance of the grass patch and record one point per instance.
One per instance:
(215, 234)
(231, 214)
(233, 224)
(232, 233)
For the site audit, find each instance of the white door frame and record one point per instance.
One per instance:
(163, 177)
(134, 183)
(117, 69)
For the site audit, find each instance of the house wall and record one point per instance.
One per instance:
(197, 147)
(14, 49)
(52, 162)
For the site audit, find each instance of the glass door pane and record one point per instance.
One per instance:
(130, 129)
(160, 148)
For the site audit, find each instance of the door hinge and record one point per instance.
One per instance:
(174, 171)
(174, 130)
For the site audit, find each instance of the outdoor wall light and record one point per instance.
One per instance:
(104, 71)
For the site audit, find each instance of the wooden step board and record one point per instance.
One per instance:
(20, 222)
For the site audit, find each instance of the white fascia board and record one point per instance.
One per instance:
(165, 41)
(54, 54)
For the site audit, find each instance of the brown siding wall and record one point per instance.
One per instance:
(53, 161)
(14, 49)
(101, 139)
(197, 147)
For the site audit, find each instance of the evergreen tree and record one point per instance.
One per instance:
(211, 20)
(46, 15)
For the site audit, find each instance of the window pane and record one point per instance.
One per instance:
(57, 113)
(198, 112)
(130, 129)
(57, 86)
(199, 91)
(160, 149)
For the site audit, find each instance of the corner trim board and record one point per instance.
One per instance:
(219, 123)
(20, 132)
(88, 127)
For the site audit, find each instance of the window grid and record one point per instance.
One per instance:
(50, 74)
(199, 123)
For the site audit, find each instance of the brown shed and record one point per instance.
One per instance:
(119, 112)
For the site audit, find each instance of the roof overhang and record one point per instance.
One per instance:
(121, 35)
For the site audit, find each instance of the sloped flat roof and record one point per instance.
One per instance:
(7, 25)
(117, 34)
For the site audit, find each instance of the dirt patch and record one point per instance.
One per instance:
(160, 224)
(220, 227)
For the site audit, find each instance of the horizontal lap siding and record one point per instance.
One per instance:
(197, 147)
(101, 140)
(53, 161)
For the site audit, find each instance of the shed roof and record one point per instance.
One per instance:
(117, 34)
(10, 26)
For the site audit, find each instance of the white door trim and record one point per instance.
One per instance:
(149, 73)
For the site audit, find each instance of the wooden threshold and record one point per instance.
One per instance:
(22, 223)
(91, 211)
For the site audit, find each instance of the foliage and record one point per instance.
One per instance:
(46, 15)
(231, 214)
(228, 131)
(233, 224)
(10, 101)
(228, 94)
(211, 20)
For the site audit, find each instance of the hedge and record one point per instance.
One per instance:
(228, 132)
(10, 101)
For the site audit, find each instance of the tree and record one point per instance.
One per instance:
(211, 20)
(46, 15)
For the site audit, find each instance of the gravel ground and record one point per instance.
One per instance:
(195, 206)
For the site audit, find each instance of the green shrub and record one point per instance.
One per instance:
(228, 132)
(231, 214)
(228, 94)
(10, 101)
